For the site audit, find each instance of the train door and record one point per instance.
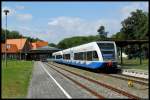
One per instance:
(84, 57)
(71, 55)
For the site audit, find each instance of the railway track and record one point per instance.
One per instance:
(119, 91)
(137, 80)
(127, 78)
(79, 84)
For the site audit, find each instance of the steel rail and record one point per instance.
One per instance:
(79, 84)
(127, 79)
(131, 96)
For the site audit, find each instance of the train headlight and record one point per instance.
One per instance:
(109, 64)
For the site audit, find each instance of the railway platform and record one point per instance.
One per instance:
(45, 83)
(136, 73)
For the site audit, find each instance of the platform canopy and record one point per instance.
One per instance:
(122, 43)
(45, 49)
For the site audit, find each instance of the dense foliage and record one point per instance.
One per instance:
(77, 40)
(52, 45)
(101, 32)
(134, 27)
(15, 35)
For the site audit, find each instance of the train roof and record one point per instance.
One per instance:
(66, 50)
(58, 52)
(105, 41)
(91, 44)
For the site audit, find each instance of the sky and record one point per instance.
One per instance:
(54, 21)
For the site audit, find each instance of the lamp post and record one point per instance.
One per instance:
(20, 46)
(6, 11)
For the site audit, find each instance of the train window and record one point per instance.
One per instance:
(66, 56)
(106, 45)
(84, 55)
(89, 55)
(108, 54)
(107, 50)
(78, 56)
(58, 56)
(81, 56)
(95, 56)
(53, 57)
(75, 56)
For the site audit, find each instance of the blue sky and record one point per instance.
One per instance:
(53, 21)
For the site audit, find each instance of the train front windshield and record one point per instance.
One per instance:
(107, 50)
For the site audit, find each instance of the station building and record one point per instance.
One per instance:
(15, 48)
(23, 49)
(44, 52)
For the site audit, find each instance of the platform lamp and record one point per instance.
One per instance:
(6, 12)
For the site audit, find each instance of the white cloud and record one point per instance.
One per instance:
(19, 7)
(11, 11)
(111, 25)
(62, 27)
(24, 17)
(126, 10)
(32, 32)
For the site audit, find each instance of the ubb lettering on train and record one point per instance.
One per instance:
(94, 55)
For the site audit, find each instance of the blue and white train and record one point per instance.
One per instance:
(94, 55)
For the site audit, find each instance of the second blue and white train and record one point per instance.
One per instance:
(94, 55)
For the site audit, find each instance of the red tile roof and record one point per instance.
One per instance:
(33, 45)
(11, 48)
(14, 45)
(39, 44)
(18, 42)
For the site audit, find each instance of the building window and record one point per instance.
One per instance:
(8, 46)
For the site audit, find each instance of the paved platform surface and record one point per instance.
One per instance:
(44, 84)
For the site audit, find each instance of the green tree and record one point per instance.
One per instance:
(3, 34)
(136, 26)
(33, 39)
(75, 41)
(52, 44)
(14, 35)
(101, 32)
(119, 36)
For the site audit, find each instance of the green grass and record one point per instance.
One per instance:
(15, 78)
(135, 64)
